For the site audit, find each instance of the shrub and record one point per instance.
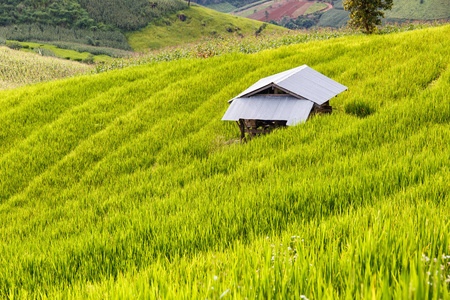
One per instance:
(45, 52)
(14, 45)
(88, 60)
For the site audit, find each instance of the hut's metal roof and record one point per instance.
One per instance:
(276, 108)
(301, 82)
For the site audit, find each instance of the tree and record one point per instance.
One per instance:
(365, 14)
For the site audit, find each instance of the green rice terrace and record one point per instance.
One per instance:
(126, 184)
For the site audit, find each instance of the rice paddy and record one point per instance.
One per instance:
(126, 184)
(19, 68)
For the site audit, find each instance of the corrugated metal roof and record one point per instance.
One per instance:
(277, 108)
(301, 82)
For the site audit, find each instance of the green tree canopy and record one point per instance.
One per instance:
(366, 14)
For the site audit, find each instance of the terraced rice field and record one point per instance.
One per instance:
(19, 68)
(127, 184)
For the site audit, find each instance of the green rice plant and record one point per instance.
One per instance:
(20, 68)
(217, 46)
(127, 184)
(359, 108)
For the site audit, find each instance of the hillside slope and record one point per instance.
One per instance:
(127, 184)
(20, 68)
(196, 23)
(420, 10)
(401, 10)
(90, 22)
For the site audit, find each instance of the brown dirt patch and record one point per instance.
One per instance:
(281, 9)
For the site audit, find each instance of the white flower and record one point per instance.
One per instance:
(215, 277)
(303, 297)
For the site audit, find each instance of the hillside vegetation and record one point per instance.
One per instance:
(199, 23)
(402, 10)
(419, 9)
(127, 184)
(89, 22)
(21, 68)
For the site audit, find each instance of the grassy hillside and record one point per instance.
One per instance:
(54, 51)
(334, 18)
(126, 184)
(99, 23)
(200, 23)
(402, 10)
(20, 68)
(419, 9)
(86, 14)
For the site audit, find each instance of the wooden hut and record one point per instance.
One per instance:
(283, 99)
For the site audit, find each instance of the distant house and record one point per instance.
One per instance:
(283, 99)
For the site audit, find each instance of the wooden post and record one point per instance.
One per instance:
(242, 129)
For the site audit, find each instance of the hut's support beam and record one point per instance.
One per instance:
(241, 125)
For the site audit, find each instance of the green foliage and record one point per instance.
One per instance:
(112, 52)
(337, 4)
(403, 11)
(65, 53)
(91, 22)
(419, 10)
(130, 15)
(260, 29)
(217, 46)
(366, 14)
(89, 60)
(37, 32)
(86, 14)
(245, 10)
(14, 45)
(222, 7)
(200, 23)
(334, 18)
(19, 68)
(127, 184)
(301, 22)
(65, 13)
(44, 52)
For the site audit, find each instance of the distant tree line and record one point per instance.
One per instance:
(48, 33)
(130, 15)
(98, 23)
(93, 14)
(64, 13)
